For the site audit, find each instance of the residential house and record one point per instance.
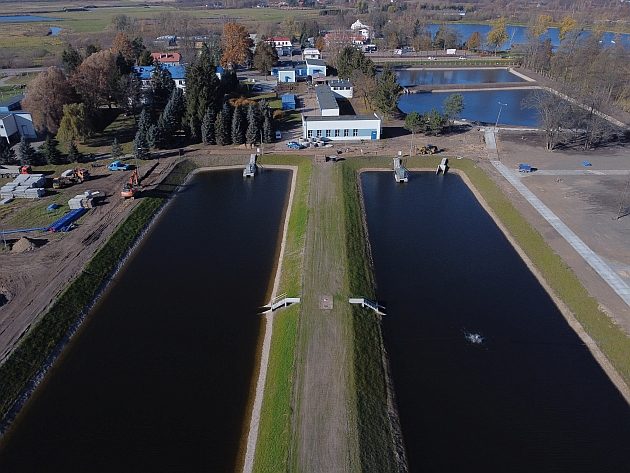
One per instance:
(172, 59)
(178, 73)
(311, 53)
(315, 67)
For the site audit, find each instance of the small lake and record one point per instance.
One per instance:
(158, 378)
(409, 77)
(518, 34)
(26, 19)
(530, 397)
(479, 106)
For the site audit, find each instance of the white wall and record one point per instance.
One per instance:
(342, 93)
(364, 129)
(8, 127)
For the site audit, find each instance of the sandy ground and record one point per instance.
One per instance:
(326, 434)
(587, 204)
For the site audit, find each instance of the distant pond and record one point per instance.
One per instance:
(409, 77)
(479, 106)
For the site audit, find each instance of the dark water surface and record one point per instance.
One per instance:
(158, 378)
(409, 77)
(480, 106)
(530, 398)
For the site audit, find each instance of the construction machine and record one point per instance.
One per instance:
(70, 177)
(131, 187)
(428, 149)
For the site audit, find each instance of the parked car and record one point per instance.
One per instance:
(118, 166)
(294, 145)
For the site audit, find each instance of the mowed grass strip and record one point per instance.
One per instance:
(376, 446)
(274, 435)
(46, 335)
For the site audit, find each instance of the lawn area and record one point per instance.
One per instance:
(275, 434)
(115, 125)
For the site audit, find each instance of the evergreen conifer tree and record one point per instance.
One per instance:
(153, 137)
(28, 156)
(140, 146)
(7, 155)
(267, 130)
(220, 135)
(207, 127)
(117, 150)
(238, 126)
(253, 125)
(74, 156)
(226, 119)
(203, 91)
(50, 152)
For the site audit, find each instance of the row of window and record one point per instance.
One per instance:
(330, 133)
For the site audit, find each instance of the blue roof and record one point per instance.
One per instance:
(177, 72)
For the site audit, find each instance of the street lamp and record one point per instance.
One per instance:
(501, 105)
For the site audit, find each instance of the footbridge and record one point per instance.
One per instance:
(280, 301)
(370, 304)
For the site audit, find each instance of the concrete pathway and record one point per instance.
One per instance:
(574, 172)
(615, 282)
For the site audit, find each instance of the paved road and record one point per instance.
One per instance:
(576, 172)
(611, 278)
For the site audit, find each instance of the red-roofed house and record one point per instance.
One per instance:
(280, 41)
(172, 59)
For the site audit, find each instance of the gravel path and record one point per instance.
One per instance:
(326, 433)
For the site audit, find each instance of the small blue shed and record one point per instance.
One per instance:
(288, 102)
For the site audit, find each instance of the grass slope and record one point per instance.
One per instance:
(45, 336)
(275, 436)
(375, 436)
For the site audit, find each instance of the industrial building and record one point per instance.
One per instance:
(342, 128)
(341, 88)
(315, 67)
(311, 53)
(14, 125)
(286, 74)
(326, 101)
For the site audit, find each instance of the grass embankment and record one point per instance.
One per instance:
(40, 341)
(375, 435)
(610, 339)
(274, 435)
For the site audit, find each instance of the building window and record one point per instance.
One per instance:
(346, 132)
(336, 133)
(319, 133)
(309, 134)
(327, 133)
(355, 132)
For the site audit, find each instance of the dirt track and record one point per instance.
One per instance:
(325, 421)
(31, 281)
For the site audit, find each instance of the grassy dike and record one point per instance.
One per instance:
(274, 435)
(610, 339)
(376, 439)
(45, 337)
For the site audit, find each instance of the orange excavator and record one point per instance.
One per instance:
(131, 187)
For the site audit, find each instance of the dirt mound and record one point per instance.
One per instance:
(23, 245)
